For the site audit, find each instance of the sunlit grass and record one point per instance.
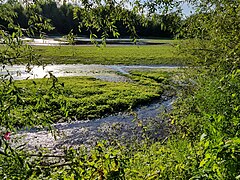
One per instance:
(87, 98)
(128, 55)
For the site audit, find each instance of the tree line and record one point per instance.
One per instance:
(67, 18)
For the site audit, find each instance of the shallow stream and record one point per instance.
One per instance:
(122, 126)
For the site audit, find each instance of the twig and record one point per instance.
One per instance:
(47, 155)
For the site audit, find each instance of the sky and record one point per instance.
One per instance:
(187, 10)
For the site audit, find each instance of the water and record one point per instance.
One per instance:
(45, 42)
(105, 72)
(122, 126)
(58, 41)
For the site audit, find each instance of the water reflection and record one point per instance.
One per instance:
(104, 72)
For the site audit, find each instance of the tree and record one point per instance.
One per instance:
(212, 108)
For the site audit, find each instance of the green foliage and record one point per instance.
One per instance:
(208, 118)
(13, 51)
(7, 14)
(209, 111)
(214, 32)
(104, 19)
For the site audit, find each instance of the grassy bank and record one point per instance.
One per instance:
(128, 55)
(82, 97)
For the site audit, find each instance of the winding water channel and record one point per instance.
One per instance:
(88, 132)
(121, 126)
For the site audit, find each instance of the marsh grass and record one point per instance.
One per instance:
(127, 55)
(87, 97)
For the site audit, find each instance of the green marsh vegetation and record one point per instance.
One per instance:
(166, 54)
(79, 98)
(204, 140)
(127, 55)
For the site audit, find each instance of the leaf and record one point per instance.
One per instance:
(206, 145)
(203, 137)
(238, 177)
(202, 163)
